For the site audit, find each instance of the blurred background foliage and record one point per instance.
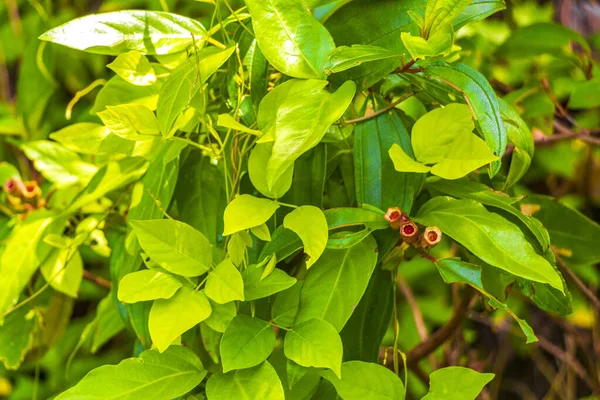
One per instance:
(514, 49)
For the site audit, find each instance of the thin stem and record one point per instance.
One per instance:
(580, 285)
(98, 280)
(379, 112)
(192, 143)
(286, 204)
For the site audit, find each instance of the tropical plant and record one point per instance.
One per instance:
(297, 199)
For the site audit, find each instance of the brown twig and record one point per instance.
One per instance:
(434, 341)
(549, 347)
(416, 312)
(98, 280)
(407, 68)
(379, 112)
(580, 285)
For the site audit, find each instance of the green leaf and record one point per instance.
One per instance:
(366, 381)
(147, 285)
(247, 342)
(170, 318)
(438, 43)
(314, 343)
(478, 10)
(404, 163)
(465, 189)
(308, 187)
(313, 235)
(456, 383)
(280, 24)
(520, 136)
(575, 236)
(134, 67)
(224, 283)
(335, 284)
(130, 121)
(285, 306)
(118, 91)
(59, 165)
(374, 139)
(353, 24)
(346, 57)
(435, 132)
(363, 333)
(24, 253)
(221, 316)
(585, 95)
(439, 13)
(466, 154)
(112, 176)
(454, 270)
(17, 334)
(107, 323)
(540, 38)
(183, 84)
(260, 382)
(227, 121)
(63, 270)
(256, 287)
(482, 100)
(174, 245)
(246, 211)
(287, 91)
(92, 138)
(490, 237)
(257, 170)
(302, 122)
(262, 232)
(152, 376)
(200, 182)
(113, 33)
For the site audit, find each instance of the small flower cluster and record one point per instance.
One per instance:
(410, 232)
(23, 196)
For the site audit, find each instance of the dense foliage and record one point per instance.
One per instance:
(298, 199)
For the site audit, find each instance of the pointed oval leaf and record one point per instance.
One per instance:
(246, 212)
(152, 376)
(170, 318)
(247, 342)
(334, 285)
(366, 381)
(174, 245)
(456, 383)
(224, 283)
(314, 343)
(257, 287)
(183, 84)
(113, 33)
(289, 25)
(134, 67)
(490, 237)
(301, 124)
(313, 235)
(147, 285)
(260, 382)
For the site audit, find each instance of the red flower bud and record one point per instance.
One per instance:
(32, 190)
(409, 232)
(430, 237)
(14, 186)
(395, 217)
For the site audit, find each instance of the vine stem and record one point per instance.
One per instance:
(441, 335)
(378, 112)
(98, 280)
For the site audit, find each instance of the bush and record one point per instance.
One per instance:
(292, 199)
